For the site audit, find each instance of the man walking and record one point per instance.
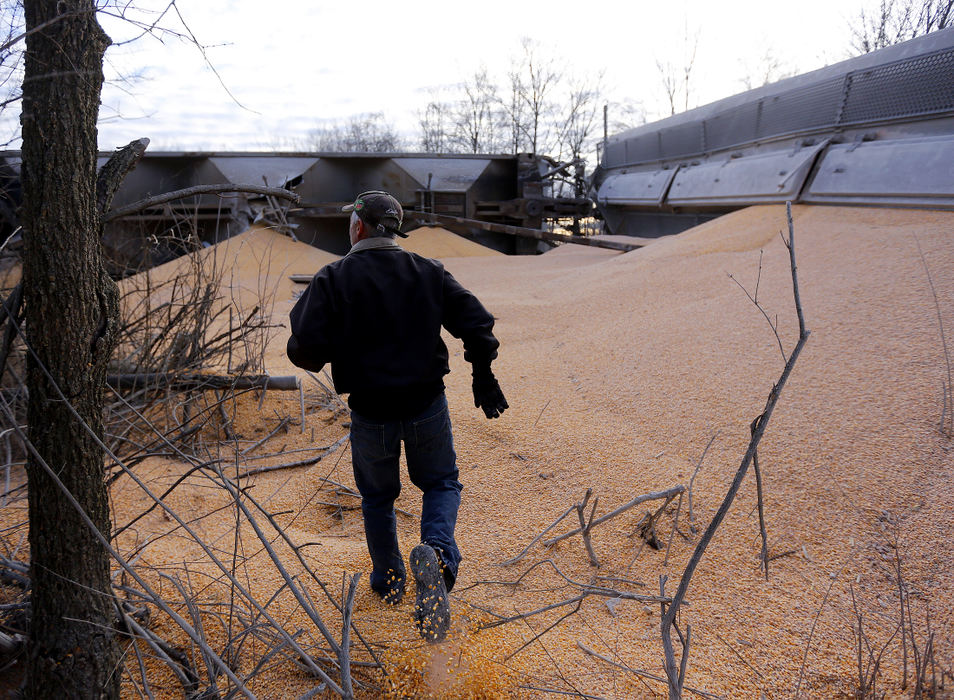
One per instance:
(376, 316)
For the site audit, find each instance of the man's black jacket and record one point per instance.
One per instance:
(376, 316)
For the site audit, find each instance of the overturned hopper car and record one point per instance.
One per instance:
(489, 198)
(876, 130)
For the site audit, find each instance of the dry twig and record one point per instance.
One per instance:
(695, 473)
(199, 189)
(656, 495)
(587, 524)
(668, 623)
(301, 463)
(642, 674)
(946, 424)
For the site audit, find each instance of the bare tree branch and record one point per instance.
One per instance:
(585, 525)
(668, 493)
(695, 473)
(643, 674)
(760, 424)
(200, 189)
(114, 171)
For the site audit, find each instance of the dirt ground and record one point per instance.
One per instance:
(620, 368)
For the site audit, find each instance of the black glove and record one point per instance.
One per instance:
(487, 393)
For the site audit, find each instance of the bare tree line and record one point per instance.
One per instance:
(539, 106)
(367, 133)
(894, 21)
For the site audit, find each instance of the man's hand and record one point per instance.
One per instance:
(487, 393)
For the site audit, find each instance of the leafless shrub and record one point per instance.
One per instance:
(920, 672)
(185, 322)
(190, 321)
(179, 618)
(207, 627)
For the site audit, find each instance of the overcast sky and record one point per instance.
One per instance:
(292, 65)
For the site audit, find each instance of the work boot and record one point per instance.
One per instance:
(431, 608)
(393, 593)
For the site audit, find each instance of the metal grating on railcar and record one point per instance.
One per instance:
(877, 129)
(801, 109)
(681, 140)
(732, 127)
(641, 150)
(614, 153)
(913, 87)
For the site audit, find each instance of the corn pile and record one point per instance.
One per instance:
(619, 370)
(437, 242)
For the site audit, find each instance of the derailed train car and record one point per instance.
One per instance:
(485, 197)
(873, 130)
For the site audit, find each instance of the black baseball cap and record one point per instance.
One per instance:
(379, 210)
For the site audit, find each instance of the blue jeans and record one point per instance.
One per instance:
(432, 467)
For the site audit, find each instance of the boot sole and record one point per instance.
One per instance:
(431, 607)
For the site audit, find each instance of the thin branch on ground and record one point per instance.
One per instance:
(668, 493)
(585, 588)
(946, 425)
(537, 636)
(557, 691)
(740, 657)
(811, 632)
(301, 463)
(587, 524)
(531, 613)
(642, 674)
(539, 537)
(695, 473)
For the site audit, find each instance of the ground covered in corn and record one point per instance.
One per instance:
(620, 370)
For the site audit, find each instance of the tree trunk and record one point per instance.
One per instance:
(71, 311)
